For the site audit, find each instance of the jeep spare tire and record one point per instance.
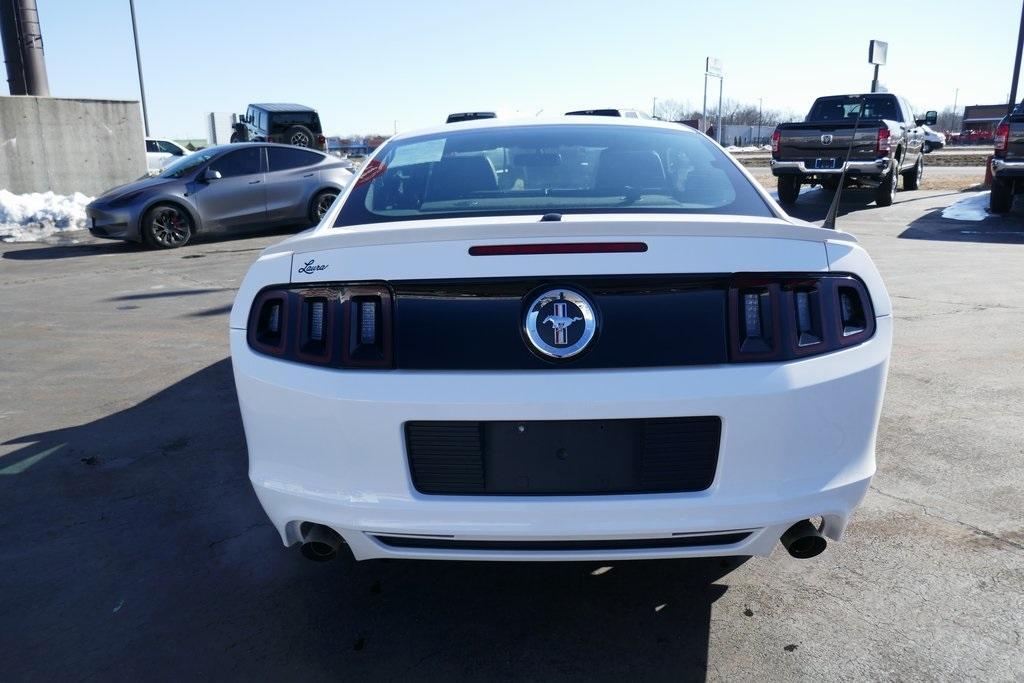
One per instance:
(299, 136)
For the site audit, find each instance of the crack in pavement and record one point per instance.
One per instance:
(952, 520)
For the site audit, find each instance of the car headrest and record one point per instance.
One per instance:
(455, 177)
(617, 169)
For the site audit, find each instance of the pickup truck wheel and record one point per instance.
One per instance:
(912, 178)
(1001, 198)
(886, 190)
(789, 189)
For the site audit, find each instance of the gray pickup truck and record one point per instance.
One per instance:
(889, 143)
(1008, 161)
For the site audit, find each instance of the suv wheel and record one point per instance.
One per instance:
(299, 136)
(321, 203)
(167, 226)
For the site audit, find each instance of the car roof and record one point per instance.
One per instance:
(282, 106)
(217, 149)
(455, 128)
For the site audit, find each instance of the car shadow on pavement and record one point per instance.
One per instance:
(813, 205)
(134, 544)
(63, 251)
(993, 229)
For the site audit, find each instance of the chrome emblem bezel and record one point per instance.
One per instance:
(587, 317)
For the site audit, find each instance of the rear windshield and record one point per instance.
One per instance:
(847, 108)
(295, 118)
(521, 170)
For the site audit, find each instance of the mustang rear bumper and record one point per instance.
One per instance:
(327, 446)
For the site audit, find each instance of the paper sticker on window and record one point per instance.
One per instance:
(418, 153)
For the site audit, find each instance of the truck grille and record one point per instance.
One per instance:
(564, 457)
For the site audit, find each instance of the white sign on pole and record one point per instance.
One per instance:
(713, 67)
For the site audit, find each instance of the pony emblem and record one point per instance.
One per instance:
(572, 320)
(560, 322)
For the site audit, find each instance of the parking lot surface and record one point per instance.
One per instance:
(133, 546)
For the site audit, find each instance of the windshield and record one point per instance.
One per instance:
(186, 165)
(539, 169)
(847, 108)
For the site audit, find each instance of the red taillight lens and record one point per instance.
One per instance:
(1002, 138)
(321, 140)
(775, 141)
(883, 145)
(336, 325)
(774, 320)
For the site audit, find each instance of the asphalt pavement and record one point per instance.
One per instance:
(133, 546)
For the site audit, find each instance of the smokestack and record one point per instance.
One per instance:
(23, 48)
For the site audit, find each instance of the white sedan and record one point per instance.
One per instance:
(577, 339)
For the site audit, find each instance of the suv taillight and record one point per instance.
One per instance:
(346, 326)
(321, 140)
(882, 144)
(782, 319)
(1002, 138)
(775, 142)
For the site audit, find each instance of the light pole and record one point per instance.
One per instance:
(138, 62)
(1016, 65)
(713, 68)
(956, 96)
(760, 108)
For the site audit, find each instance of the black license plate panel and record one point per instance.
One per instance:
(825, 163)
(564, 457)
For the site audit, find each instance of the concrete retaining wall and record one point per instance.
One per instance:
(68, 145)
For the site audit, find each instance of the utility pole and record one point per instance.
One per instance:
(138, 62)
(654, 108)
(712, 68)
(23, 48)
(1016, 65)
(956, 96)
(760, 107)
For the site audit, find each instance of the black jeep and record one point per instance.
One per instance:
(289, 124)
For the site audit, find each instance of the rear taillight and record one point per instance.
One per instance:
(321, 140)
(776, 136)
(781, 319)
(882, 144)
(1002, 138)
(337, 325)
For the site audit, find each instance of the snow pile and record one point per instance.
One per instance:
(973, 208)
(35, 216)
(749, 148)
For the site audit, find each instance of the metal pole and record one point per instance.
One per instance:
(704, 109)
(760, 107)
(23, 48)
(956, 96)
(654, 107)
(720, 133)
(1016, 64)
(138, 61)
(874, 81)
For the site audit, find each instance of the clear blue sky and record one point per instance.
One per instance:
(366, 64)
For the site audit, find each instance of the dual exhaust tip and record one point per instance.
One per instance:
(803, 540)
(321, 543)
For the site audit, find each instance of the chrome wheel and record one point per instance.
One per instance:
(299, 139)
(169, 227)
(323, 203)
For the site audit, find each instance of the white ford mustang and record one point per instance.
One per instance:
(572, 339)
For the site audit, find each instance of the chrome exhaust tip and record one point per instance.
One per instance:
(320, 543)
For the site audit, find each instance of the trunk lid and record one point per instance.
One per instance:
(425, 250)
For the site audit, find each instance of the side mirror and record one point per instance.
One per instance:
(211, 174)
(930, 117)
